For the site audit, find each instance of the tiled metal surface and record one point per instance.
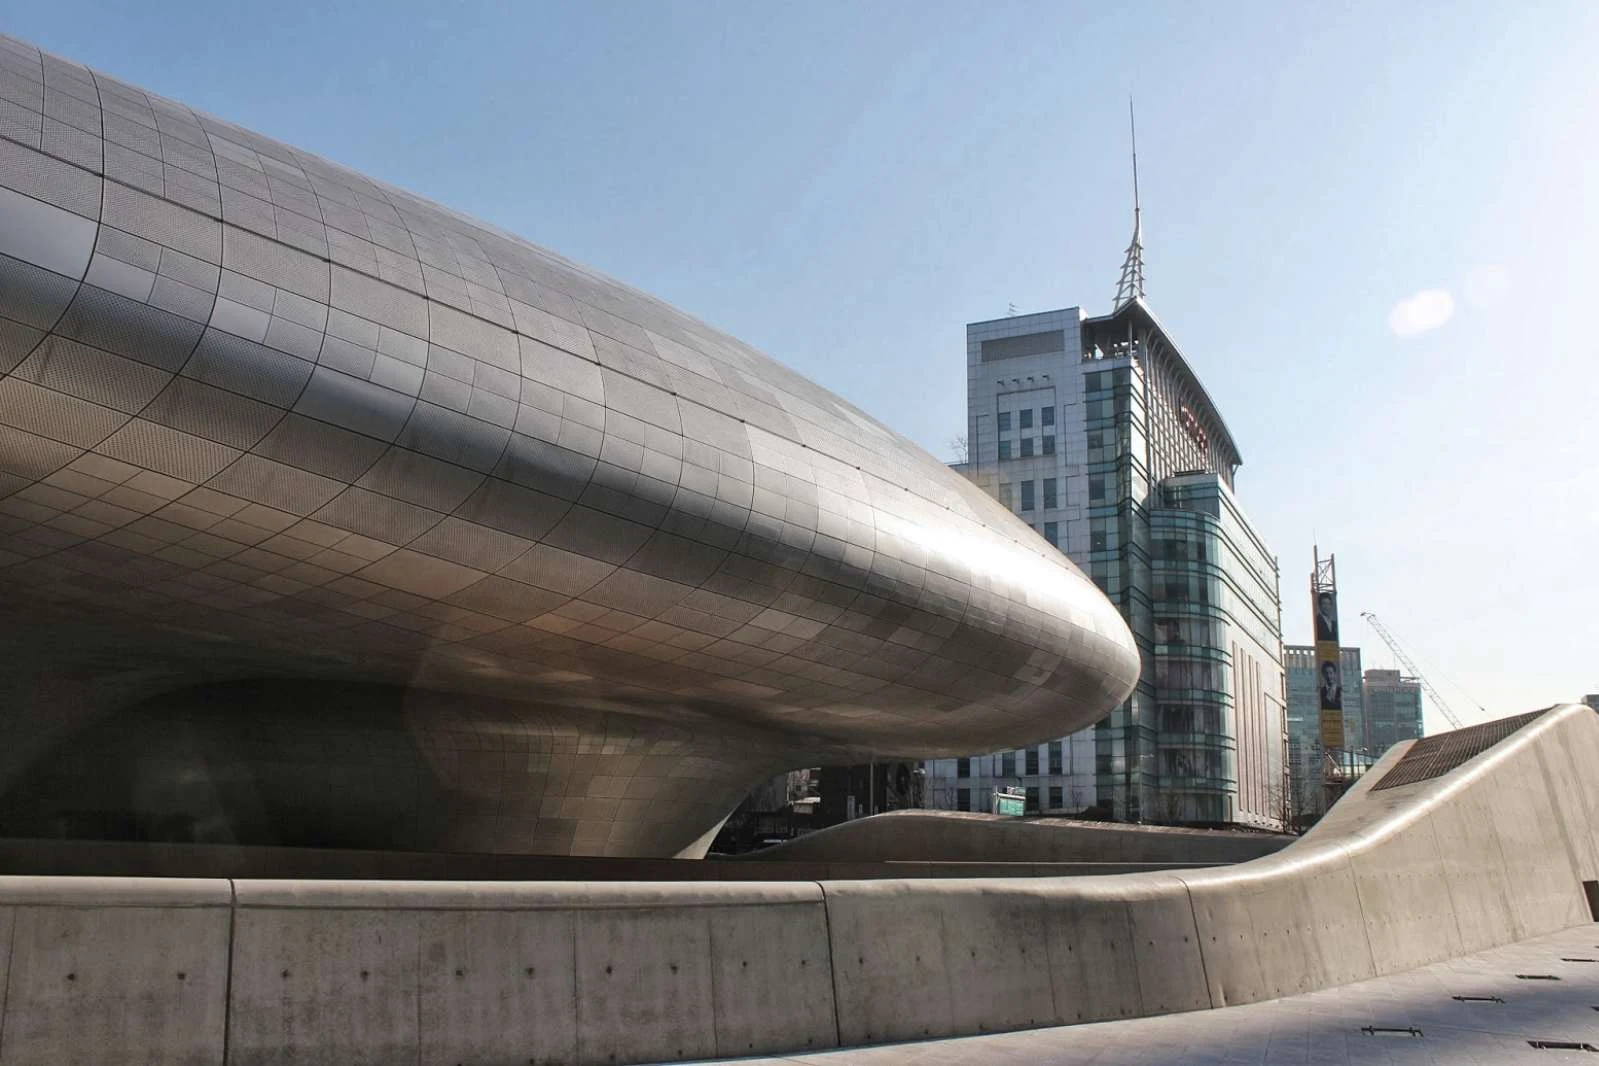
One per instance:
(1325, 1028)
(1435, 756)
(260, 415)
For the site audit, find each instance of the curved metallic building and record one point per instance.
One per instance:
(329, 515)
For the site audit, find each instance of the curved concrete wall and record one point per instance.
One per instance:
(253, 972)
(956, 836)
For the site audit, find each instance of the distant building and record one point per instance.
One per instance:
(780, 808)
(1097, 433)
(1304, 720)
(1393, 709)
(850, 792)
(1056, 777)
(1592, 700)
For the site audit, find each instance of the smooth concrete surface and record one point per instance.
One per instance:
(1324, 1028)
(114, 970)
(961, 836)
(343, 973)
(1494, 851)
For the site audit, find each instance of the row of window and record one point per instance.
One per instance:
(1029, 494)
(1030, 762)
(1024, 418)
(1056, 795)
(1030, 447)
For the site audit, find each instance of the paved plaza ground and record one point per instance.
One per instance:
(1326, 1028)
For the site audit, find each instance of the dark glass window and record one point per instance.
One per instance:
(1004, 449)
(1048, 444)
(1052, 533)
(1056, 759)
(1024, 419)
(1027, 447)
(1032, 799)
(1046, 416)
(1027, 495)
(1004, 421)
(1005, 494)
(963, 768)
(1056, 802)
(1032, 761)
(1096, 489)
(963, 799)
(1007, 764)
(1051, 493)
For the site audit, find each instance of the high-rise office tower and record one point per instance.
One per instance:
(1393, 709)
(1098, 433)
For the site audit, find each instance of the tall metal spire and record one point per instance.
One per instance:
(1131, 283)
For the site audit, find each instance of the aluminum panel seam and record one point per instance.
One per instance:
(321, 451)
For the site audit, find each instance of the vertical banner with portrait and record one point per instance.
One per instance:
(1329, 668)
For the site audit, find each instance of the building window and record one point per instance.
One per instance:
(1032, 761)
(1052, 533)
(1055, 765)
(1027, 447)
(1047, 444)
(1025, 419)
(1004, 449)
(1046, 416)
(963, 768)
(963, 799)
(1005, 496)
(1051, 493)
(1007, 765)
(1027, 495)
(1056, 800)
(1032, 800)
(1004, 421)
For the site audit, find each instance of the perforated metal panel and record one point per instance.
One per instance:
(1435, 756)
(261, 415)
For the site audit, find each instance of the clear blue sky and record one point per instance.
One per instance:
(845, 185)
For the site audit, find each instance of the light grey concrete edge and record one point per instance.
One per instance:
(964, 836)
(1493, 852)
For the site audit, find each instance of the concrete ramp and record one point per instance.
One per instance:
(956, 836)
(1493, 843)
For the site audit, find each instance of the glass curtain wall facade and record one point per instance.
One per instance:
(1393, 709)
(1116, 439)
(1218, 673)
(1096, 432)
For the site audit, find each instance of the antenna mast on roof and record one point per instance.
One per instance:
(1131, 283)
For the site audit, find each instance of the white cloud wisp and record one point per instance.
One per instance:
(1420, 312)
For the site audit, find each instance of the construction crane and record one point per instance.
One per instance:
(1410, 667)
